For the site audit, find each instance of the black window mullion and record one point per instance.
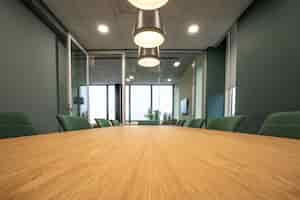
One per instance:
(107, 102)
(129, 103)
(118, 102)
(173, 106)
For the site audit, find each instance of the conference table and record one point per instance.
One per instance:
(149, 163)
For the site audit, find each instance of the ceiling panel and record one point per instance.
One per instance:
(82, 17)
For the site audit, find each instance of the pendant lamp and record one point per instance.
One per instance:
(148, 4)
(148, 31)
(149, 57)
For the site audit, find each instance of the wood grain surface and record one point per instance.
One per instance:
(149, 163)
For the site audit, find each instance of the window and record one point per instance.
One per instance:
(102, 102)
(84, 104)
(162, 99)
(140, 101)
(199, 89)
(111, 102)
(233, 101)
(127, 102)
(98, 102)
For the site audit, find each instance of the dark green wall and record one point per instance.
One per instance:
(215, 91)
(268, 63)
(27, 66)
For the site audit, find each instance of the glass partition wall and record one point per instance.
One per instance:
(157, 93)
(162, 101)
(78, 79)
(114, 86)
(79, 83)
(105, 88)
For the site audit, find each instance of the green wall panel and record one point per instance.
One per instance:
(215, 86)
(27, 66)
(268, 64)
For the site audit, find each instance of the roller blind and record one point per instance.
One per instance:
(231, 58)
(231, 72)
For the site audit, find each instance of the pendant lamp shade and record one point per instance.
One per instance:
(148, 31)
(149, 57)
(148, 4)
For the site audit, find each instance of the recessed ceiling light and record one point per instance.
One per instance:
(131, 77)
(103, 28)
(193, 29)
(148, 4)
(169, 80)
(177, 64)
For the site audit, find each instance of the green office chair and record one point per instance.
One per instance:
(197, 123)
(103, 123)
(72, 123)
(182, 122)
(149, 123)
(169, 122)
(187, 123)
(115, 122)
(15, 124)
(225, 124)
(178, 123)
(284, 124)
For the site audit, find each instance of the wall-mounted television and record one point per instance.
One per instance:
(184, 106)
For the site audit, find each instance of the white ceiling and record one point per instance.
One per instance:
(82, 17)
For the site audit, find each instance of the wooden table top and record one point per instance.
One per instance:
(149, 163)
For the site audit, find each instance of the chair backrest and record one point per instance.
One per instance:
(149, 123)
(169, 122)
(15, 124)
(103, 123)
(284, 124)
(178, 122)
(115, 122)
(197, 123)
(188, 123)
(226, 123)
(72, 123)
(182, 122)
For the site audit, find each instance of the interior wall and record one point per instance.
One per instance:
(185, 89)
(215, 85)
(199, 93)
(268, 64)
(28, 66)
